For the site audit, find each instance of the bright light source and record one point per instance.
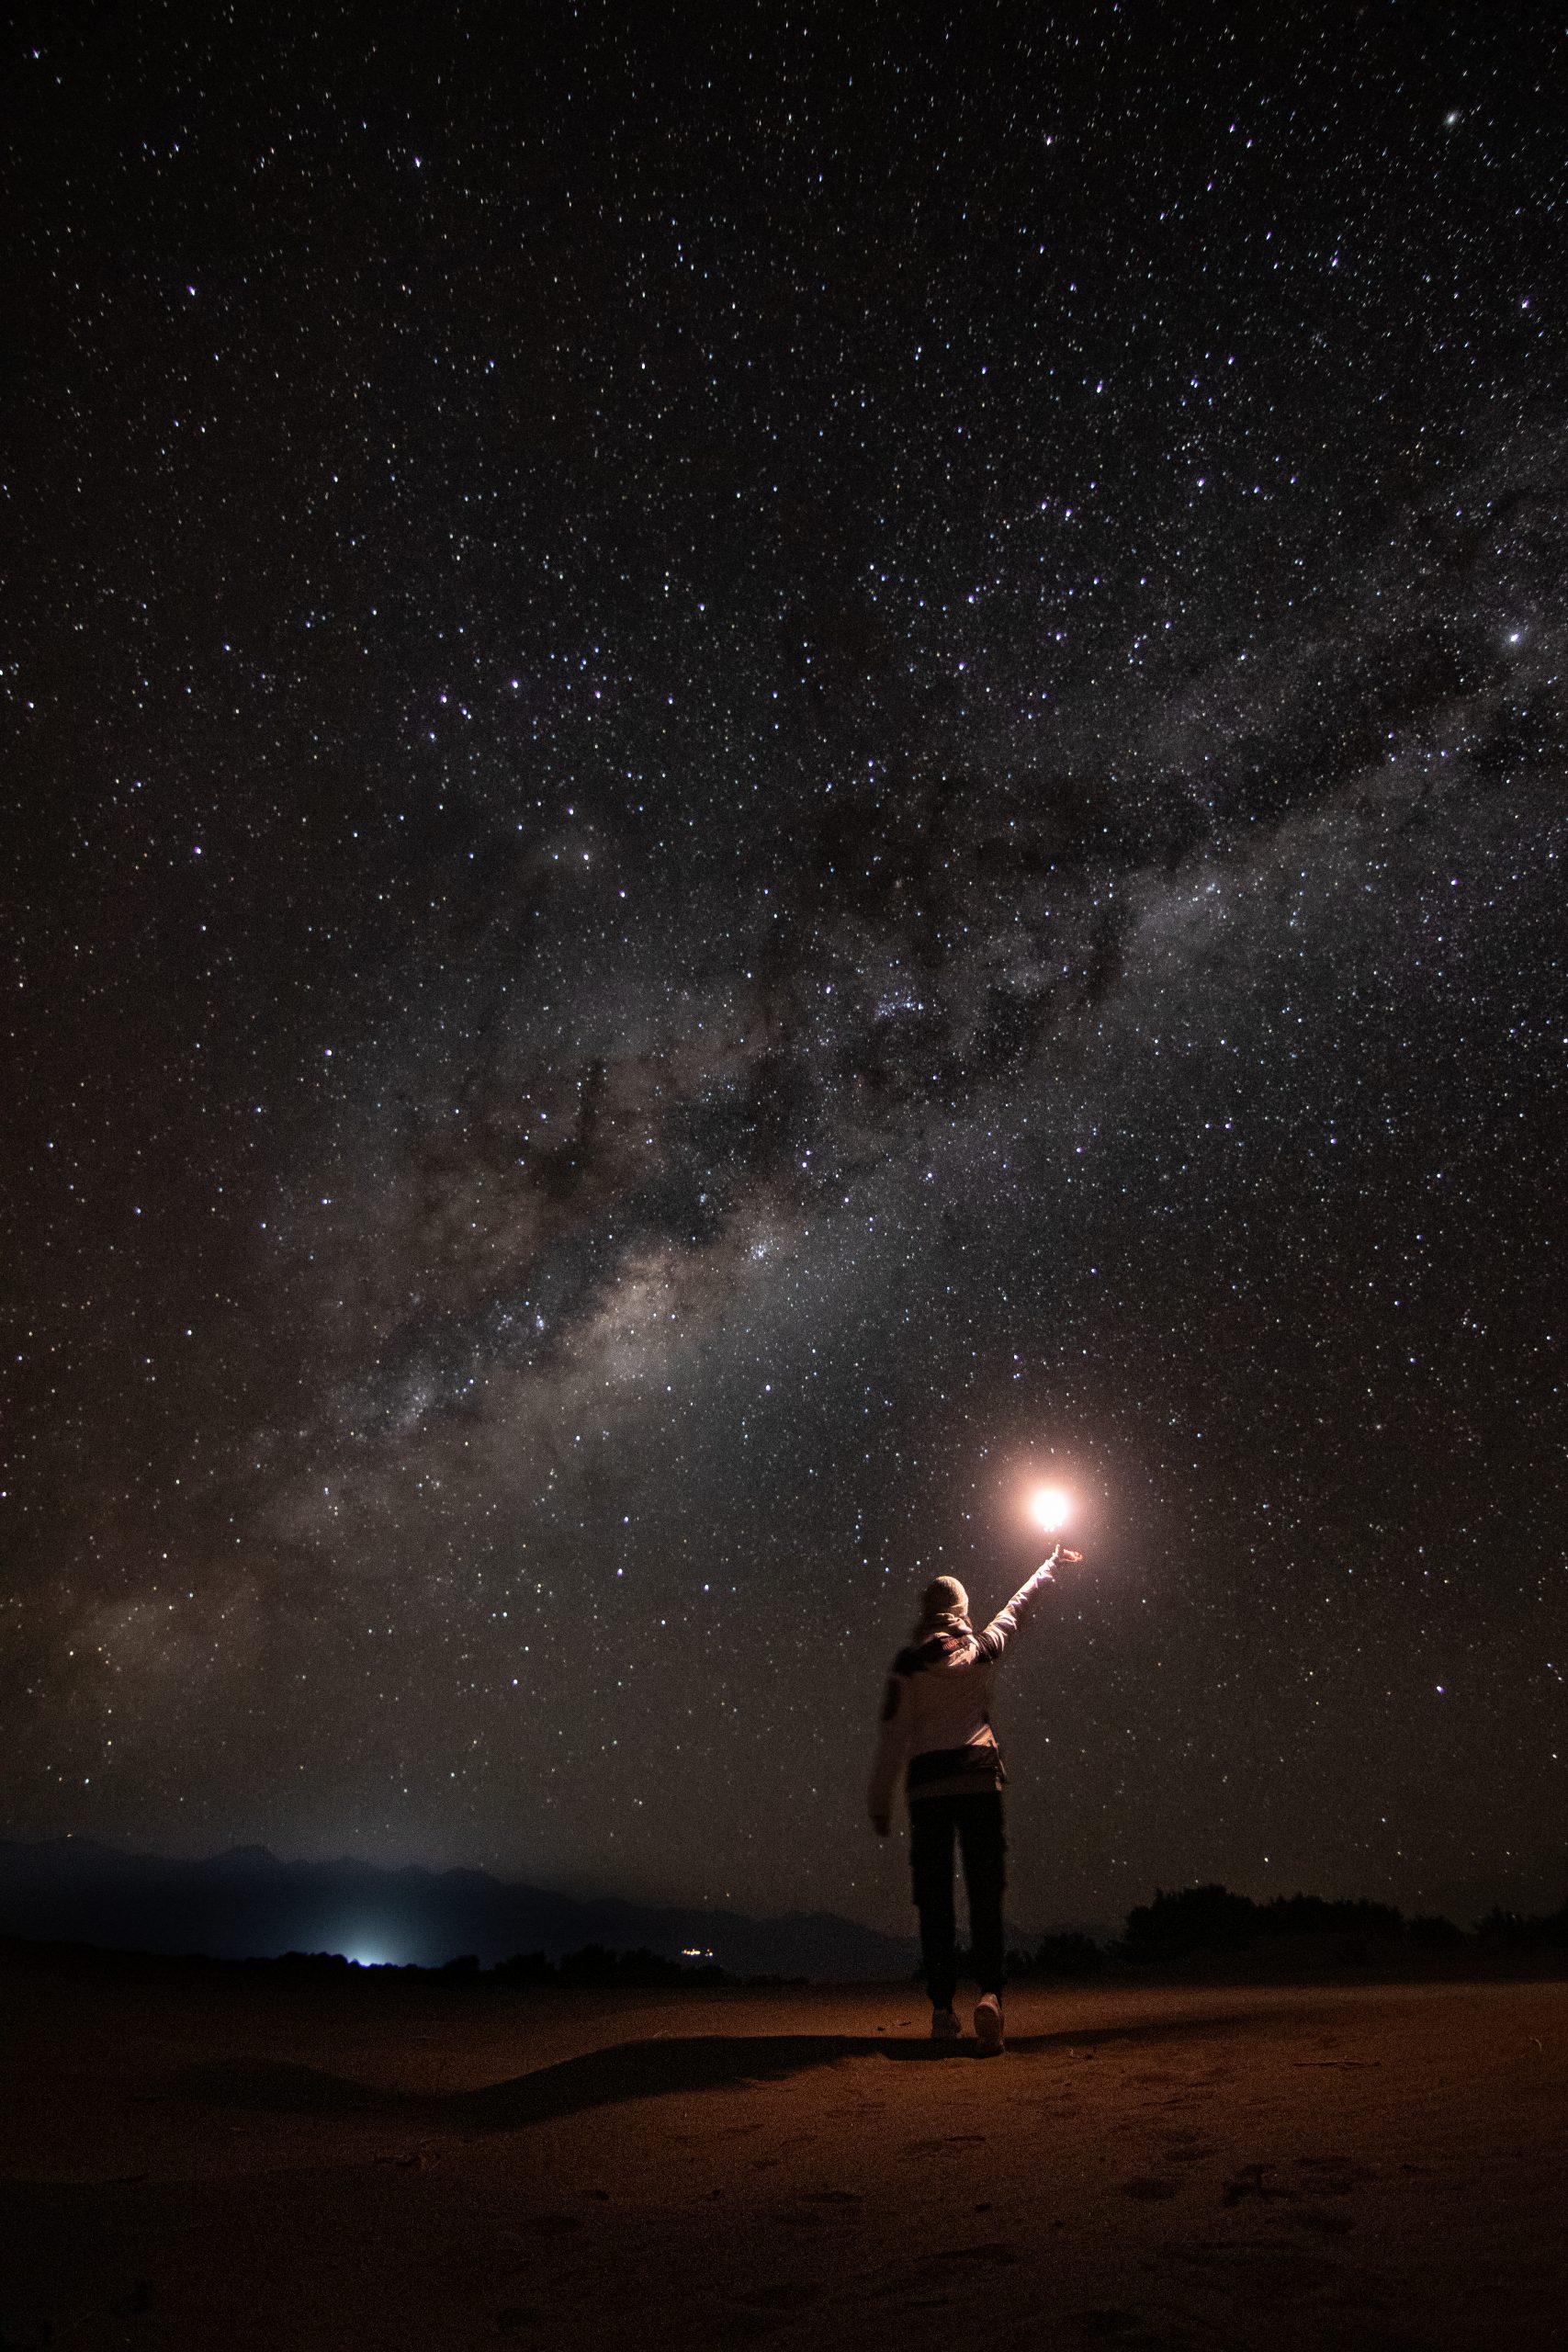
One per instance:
(1051, 1507)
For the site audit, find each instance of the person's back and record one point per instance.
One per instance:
(936, 1711)
(936, 1722)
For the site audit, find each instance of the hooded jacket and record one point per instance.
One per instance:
(935, 1711)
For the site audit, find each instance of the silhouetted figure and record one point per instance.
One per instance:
(936, 1715)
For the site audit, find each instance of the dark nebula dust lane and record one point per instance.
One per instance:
(761, 774)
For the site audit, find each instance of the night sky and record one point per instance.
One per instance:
(763, 772)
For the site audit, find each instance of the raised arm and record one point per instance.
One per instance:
(1004, 1624)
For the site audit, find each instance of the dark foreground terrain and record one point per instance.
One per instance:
(205, 2158)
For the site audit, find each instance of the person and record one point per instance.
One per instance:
(936, 1722)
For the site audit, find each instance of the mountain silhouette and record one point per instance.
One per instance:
(247, 1904)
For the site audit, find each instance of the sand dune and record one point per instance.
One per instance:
(205, 2158)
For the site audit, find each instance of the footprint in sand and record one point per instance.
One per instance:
(1252, 2181)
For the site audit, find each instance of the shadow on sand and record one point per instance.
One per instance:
(655, 2068)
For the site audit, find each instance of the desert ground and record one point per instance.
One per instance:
(223, 2159)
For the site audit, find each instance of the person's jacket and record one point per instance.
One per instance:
(935, 1712)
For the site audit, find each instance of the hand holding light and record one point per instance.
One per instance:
(1051, 1507)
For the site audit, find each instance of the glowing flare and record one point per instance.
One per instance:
(1051, 1507)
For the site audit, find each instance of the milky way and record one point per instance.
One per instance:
(762, 780)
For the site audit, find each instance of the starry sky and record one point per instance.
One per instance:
(767, 770)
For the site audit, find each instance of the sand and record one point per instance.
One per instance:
(221, 2159)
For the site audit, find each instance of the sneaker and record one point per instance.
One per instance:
(946, 2026)
(988, 2025)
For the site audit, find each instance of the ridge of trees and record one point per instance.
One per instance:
(1192, 1922)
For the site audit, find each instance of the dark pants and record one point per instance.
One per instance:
(978, 1821)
